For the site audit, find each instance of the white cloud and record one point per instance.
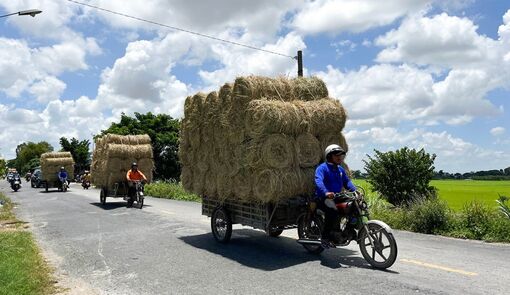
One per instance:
(21, 66)
(497, 131)
(441, 40)
(47, 89)
(241, 62)
(336, 16)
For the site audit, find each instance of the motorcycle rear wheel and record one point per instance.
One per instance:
(384, 252)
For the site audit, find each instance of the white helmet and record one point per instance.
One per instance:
(332, 148)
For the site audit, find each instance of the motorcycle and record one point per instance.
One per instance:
(85, 184)
(375, 238)
(64, 185)
(15, 183)
(138, 196)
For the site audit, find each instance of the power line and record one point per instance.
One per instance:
(182, 30)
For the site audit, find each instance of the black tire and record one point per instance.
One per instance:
(16, 188)
(310, 227)
(274, 232)
(221, 225)
(32, 184)
(46, 186)
(130, 202)
(102, 196)
(140, 202)
(383, 240)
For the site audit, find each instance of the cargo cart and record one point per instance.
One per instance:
(120, 190)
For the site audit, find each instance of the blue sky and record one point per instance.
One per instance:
(420, 73)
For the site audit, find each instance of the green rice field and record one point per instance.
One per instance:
(458, 192)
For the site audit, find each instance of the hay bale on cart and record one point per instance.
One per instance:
(52, 162)
(250, 150)
(258, 139)
(112, 158)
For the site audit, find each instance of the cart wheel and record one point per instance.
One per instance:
(221, 225)
(274, 232)
(310, 227)
(46, 186)
(102, 196)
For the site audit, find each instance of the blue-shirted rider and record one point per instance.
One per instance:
(331, 178)
(62, 175)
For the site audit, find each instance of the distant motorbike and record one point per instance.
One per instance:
(15, 183)
(375, 238)
(85, 184)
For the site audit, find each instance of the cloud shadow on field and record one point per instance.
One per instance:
(255, 249)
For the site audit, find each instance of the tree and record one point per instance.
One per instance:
(3, 167)
(164, 133)
(27, 151)
(79, 150)
(402, 176)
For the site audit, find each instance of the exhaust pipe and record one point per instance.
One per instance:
(309, 242)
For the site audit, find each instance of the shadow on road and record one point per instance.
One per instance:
(110, 205)
(255, 249)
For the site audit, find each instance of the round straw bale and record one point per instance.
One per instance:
(308, 150)
(263, 117)
(223, 186)
(307, 181)
(187, 179)
(242, 184)
(210, 188)
(278, 151)
(198, 182)
(311, 88)
(56, 155)
(324, 115)
(265, 186)
(187, 107)
(129, 151)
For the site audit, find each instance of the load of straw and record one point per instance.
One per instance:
(258, 139)
(113, 155)
(52, 162)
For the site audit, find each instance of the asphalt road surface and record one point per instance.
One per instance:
(167, 248)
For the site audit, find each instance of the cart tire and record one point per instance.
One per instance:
(274, 232)
(221, 225)
(46, 186)
(310, 227)
(102, 196)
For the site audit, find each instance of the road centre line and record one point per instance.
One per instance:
(440, 267)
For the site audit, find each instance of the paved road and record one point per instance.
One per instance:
(167, 248)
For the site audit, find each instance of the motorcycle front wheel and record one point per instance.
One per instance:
(382, 252)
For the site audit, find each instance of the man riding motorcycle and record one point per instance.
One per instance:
(62, 175)
(331, 178)
(133, 176)
(85, 179)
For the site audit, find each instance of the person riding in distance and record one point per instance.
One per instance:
(62, 175)
(86, 176)
(134, 175)
(331, 178)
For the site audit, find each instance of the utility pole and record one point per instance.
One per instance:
(300, 63)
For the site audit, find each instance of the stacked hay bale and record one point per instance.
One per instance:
(52, 162)
(258, 139)
(113, 155)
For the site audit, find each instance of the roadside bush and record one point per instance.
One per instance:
(503, 207)
(170, 190)
(476, 218)
(402, 177)
(429, 216)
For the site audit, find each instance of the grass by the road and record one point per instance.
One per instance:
(170, 190)
(22, 268)
(459, 192)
